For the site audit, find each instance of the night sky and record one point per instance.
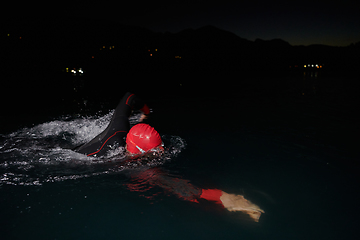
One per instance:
(334, 23)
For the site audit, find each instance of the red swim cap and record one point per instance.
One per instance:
(142, 138)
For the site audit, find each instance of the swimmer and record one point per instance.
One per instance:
(140, 139)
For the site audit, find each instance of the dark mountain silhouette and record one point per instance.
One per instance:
(109, 50)
(40, 54)
(59, 40)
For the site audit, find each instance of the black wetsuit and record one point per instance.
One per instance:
(115, 133)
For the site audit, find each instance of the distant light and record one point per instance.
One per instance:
(317, 65)
(150, 54)
(92, 57)
(73, 71)
(67, 69)
(178, 57)
(304, 65)
(19, 37)
(103, 46)
(312, 65)
(8, 35)
(155, 49)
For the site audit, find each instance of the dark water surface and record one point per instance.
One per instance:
(293, 154)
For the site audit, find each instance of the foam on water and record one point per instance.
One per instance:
(33, 156)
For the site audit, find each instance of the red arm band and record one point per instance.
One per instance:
(212, 195)
(145, 109)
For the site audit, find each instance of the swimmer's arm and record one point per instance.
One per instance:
(144, 109)
(233, 202)
(133, 102)
(142, 117)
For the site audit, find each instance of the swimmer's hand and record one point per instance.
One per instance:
(142, 117)
(234, 203)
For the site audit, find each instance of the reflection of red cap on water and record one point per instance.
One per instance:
(142, 138)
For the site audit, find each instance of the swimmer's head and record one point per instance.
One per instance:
(142, 138)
